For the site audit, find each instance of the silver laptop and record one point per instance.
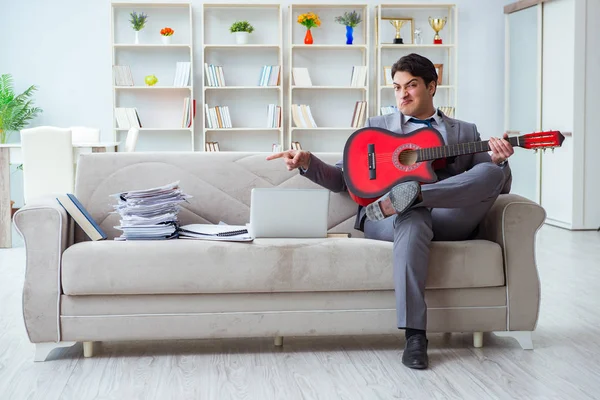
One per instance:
(289, 213)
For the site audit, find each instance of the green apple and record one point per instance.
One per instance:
(150, 80)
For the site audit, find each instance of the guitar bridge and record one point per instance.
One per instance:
(371, 157)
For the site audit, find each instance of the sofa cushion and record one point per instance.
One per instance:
(265, 265)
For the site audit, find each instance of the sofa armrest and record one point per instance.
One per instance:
(513, 222)
(44, 226)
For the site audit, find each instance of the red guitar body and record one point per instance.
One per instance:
(390, 170)
(376, 160)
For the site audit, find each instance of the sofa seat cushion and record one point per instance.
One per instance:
(266, 265)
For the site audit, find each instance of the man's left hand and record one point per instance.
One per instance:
(501, 149)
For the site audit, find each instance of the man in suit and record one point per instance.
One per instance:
(412, 215)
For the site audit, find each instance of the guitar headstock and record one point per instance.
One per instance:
(541, 140)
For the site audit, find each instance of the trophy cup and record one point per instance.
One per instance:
(437, 24)
(397, 23)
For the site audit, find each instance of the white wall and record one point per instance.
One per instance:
(63, 46)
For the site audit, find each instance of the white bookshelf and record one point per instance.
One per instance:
(242, 66)
(329, 61)
(387, 53)
(160, 107)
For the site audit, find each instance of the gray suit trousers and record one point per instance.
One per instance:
(451, 210)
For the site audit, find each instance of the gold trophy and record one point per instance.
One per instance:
(398, 23)
(437, 24)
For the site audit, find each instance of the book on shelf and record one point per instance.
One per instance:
(448, 111)
(211, 146)
(359, 115)
(122, 75)
(217, 117)
(296, 146)
(270, 75)
(273, 116)
(80, 215)
(388, 110)
(127, 117)
(359, 76)
(301, 77)
(182, 74)
(215, 77)
(302, 116)
(189, 112)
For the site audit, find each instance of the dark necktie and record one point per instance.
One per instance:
(422, 121)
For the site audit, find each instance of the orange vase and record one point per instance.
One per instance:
(308, 39)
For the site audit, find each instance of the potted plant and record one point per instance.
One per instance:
(166, 34)
(351, 20)
(309, 20)
(241, 29)
(138, 22)
(16, 111)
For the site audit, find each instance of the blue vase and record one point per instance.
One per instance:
(349, 37)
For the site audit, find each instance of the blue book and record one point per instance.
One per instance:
(83, 218)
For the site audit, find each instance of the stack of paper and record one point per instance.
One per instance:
(150, 214)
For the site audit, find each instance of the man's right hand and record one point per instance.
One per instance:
(293, 158)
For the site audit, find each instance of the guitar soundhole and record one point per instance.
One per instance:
(408, 157)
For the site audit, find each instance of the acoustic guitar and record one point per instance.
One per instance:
(376, 160)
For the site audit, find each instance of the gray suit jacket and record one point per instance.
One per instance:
(332, 177)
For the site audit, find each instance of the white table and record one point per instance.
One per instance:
(11, 154)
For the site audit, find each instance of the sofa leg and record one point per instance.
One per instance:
(278, 340)
(88, 349)
(478, 339)
(523, 337)
(42, 350)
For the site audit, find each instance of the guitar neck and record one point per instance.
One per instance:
(458, 149)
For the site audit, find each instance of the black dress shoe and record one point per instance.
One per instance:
(415, 352)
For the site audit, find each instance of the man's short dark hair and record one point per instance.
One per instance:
(416, 65)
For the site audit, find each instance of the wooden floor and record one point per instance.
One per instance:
(564, 365)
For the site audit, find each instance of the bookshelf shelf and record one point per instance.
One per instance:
(152, 88)
(329, 47)
(152, 46)
(222, 104)
(244, 129)
(329, 87)
(325, 129)
(168, 103)
(415, 46)
(439, 87)
(242, 87)
(242, 46)
(444, 54)
(337, 87)
(158, 129)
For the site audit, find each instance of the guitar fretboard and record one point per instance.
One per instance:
(458, 149)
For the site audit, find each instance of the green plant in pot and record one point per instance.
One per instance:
(241, 30)
(16, 110)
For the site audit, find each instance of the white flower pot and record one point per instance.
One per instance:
(166, 39)
(241, 37)
(137, 37)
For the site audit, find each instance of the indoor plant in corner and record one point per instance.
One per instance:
(351, 20)
(241, 29)
(16, 110)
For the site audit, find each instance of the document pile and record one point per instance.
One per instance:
(150, 214)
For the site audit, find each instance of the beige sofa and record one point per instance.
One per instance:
(77, 290)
